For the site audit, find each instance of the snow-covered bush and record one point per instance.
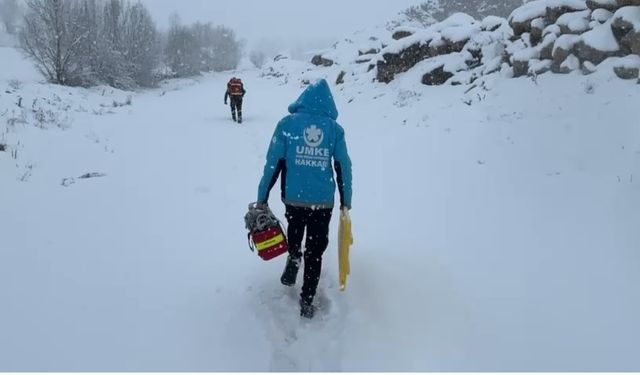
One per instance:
(257, 58)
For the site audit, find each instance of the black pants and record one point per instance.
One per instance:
(316, 222)
(236, 105)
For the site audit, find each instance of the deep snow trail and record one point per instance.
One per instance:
(145, 268)
(488, 237)
(148, 267)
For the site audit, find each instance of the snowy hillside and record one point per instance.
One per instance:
(495, 224)
(561, 36)
(36, 116)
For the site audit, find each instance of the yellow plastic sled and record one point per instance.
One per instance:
(345, 240)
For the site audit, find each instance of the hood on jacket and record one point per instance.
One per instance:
(316, 100)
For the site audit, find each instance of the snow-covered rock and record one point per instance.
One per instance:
(318, 60)
(590, 31)
(562, 48)
(446, 37)
(399, 34)
(626, 20)
(609, 5)
(630, 43)
(436, 75)
(570, 64)
(538, 8)
(520, 60)
(394, 63)
(537, 67)
(589, 67)
(574, 22)
(552, 29)
(541, 35)
(526, 54)
(629, 14)
(493, 23)
(601, 15)
(460, 34)
(565, 42)
(546, 46)
(597, 45)
(601, 39)
(537, 30)
(626, 28)
(624, 3)
(521, 18)
(628, 67)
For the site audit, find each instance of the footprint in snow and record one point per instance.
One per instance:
(291, 336)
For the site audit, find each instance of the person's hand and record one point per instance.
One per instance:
(262, 206)
(225, 102)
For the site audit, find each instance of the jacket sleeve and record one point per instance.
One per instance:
(226, 95)
(275, 163)
(342, 165)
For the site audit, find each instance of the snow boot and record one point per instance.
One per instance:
(290, 272)
(307, 310)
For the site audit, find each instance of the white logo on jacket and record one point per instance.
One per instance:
(313, 136)
(312, 155)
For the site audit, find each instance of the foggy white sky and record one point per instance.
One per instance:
(289, 20)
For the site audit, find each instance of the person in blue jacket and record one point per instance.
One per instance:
(304, 146)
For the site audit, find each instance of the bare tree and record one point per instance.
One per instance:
(201, 48)
(112, 64)
(182, 50)
(114, 42)
(9, 15)
(204, 36)
(88, 23)
(141, 44)
(424, 14)
(225, 48)
(52, 38)
(219, 48)
(88, 42)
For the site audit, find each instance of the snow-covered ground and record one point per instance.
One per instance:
(494, 230)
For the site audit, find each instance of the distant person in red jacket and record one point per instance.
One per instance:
(235, 91)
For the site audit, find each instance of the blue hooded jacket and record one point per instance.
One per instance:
(302, 149)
